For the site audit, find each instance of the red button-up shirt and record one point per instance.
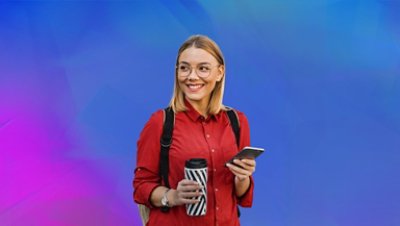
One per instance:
(193, 137)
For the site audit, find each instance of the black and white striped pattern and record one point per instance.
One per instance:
(199, 175)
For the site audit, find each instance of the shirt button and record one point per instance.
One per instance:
(217, 208)
(212, 150)
(208, 135)
(215, 170)
(216, 189)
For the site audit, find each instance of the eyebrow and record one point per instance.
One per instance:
(184, 62)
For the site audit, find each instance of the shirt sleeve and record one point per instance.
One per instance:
(146, 174)
(246, 200)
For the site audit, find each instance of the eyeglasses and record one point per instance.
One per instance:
(202, 70)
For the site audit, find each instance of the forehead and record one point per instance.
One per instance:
(196, 55)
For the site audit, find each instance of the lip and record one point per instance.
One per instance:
(194, 87)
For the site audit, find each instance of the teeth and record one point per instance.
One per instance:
(194, 86)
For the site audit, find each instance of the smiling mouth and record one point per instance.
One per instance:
(194, 87)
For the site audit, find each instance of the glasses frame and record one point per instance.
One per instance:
(196, 70)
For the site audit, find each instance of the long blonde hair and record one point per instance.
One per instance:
(215, 104)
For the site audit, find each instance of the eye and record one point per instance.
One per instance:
(183, 67)
(204, 68)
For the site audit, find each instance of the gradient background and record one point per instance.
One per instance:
(318, 79)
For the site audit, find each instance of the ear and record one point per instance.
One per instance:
(221, 72)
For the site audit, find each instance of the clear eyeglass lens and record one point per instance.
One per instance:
(201, 70)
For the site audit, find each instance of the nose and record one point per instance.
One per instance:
(193, 74)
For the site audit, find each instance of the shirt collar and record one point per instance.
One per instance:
(195, 115)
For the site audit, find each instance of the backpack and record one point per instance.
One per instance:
(166, 140)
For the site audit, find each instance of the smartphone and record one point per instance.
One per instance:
(247, 153)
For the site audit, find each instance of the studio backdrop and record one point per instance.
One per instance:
(318, 80)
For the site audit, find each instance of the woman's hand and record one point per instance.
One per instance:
(185, 191)
(243, 168)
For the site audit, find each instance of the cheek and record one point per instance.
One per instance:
(181, 84)
(213, 80)
(211, 85)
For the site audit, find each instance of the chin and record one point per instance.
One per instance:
(194, 97)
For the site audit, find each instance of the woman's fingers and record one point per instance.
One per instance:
(189, 188)
(188, 182)
(188, 185)
(189, 201)
(238, 171)
(187, 192)
(247, 164)
(190, 194)
(242, 168)
(188, 197)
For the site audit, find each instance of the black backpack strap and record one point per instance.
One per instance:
(234, 120)
(166, 140)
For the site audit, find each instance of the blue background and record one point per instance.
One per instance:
(318, 80)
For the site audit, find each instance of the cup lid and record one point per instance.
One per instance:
(196, 163)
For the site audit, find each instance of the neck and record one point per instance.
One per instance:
(200, 106)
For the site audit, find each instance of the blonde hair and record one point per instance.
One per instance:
(215, 105)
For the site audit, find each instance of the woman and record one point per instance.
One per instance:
(201, 130)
